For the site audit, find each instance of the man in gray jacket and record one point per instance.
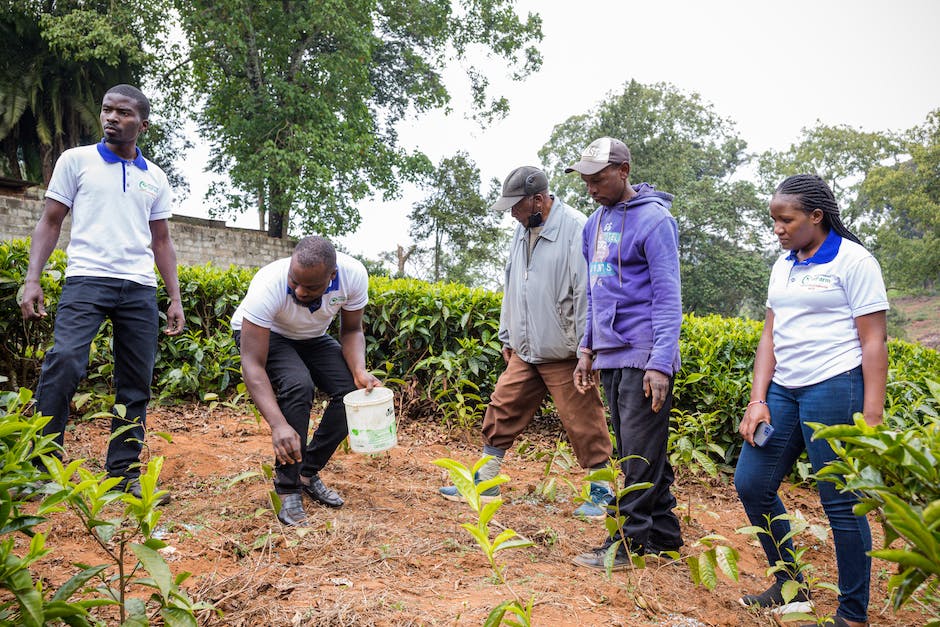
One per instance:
(540, 326)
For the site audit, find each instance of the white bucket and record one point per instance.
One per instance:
(371, 420)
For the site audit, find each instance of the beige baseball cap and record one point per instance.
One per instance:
(599, 154)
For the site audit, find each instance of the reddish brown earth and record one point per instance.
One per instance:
(921, 319)
(396, 554)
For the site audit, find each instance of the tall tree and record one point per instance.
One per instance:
(457, 235)
(301, 98)
(56, 61)
(904, 201)
(839, 154)
(682, 146)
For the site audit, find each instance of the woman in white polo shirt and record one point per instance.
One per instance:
(822, 357)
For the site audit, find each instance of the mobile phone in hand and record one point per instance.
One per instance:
(762, 433)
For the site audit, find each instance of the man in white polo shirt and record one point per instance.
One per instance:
(120, 203)
(281, 329)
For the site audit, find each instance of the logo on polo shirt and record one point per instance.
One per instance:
(817, 281)
(338, 300)
(148, 188)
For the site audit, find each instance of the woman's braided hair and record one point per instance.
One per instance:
(814, 193)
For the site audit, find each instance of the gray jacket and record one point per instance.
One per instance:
(544, 302)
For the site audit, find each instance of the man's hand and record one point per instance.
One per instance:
(507, 354)
(584, 374)
(286, 444)
(365, 380)
(174, 319)
(655, 387)
(32, 305)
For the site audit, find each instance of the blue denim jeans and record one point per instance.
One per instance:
(296, 369)
(85, 303)
(761, 469)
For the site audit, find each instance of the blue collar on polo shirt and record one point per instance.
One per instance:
(315, 305)
(110, 157)
(826, 253)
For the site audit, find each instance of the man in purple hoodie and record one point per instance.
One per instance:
(634, 315)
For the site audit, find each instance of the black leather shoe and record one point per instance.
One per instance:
(292, 511)
(322, 494)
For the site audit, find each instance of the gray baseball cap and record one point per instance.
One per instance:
(521, 182)
(599, 154)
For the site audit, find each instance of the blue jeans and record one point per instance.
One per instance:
(132, 308)
(296, 369)
(761, 469)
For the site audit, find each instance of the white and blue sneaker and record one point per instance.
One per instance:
(451, 493)
(596, 508)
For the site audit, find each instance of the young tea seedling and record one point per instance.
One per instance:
(463, 479)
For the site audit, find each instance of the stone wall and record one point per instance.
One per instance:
(198, 241)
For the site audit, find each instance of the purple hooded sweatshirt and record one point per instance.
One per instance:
(634, 312)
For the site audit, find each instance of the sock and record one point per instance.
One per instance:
(491, 468)
(603, 484)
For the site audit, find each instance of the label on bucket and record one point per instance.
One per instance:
(371, 419)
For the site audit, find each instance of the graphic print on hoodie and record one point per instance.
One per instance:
(634, 300)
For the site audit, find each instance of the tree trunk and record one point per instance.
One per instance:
(278, 212)
(275, 224)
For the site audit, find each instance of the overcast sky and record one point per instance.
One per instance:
(771, 67)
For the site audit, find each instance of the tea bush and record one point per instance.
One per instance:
(437, 342)
(895, 471)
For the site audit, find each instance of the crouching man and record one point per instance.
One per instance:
(281, 330)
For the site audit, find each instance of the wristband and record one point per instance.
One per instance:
(755, 403)
(586, 351)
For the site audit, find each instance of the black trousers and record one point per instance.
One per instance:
(85, 303)
(296, 369)
(641, 431)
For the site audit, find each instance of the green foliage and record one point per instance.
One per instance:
(559, 459)
(905, 198)
(438, 342)
(712, 388)
(462, 478)
(24, 345)
(461, 240)
(841, 155)
(800, 573)
(302, 98)
(91, 498)
(22, 451)
(896, 473)
(704, 567)
(680, 144)
(441, 338)
(57, 59)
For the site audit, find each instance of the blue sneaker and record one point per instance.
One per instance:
(596, 508)
(451, 493)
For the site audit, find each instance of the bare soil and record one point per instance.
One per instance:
(396, 554)
(921, 319)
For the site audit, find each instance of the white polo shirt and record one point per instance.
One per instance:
(268, 303)
(112, 202)
(815, 303)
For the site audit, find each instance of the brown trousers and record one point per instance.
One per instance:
(520, 391)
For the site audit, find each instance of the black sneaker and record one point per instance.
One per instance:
(772, 598)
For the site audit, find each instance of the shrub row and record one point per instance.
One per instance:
(438, 343)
